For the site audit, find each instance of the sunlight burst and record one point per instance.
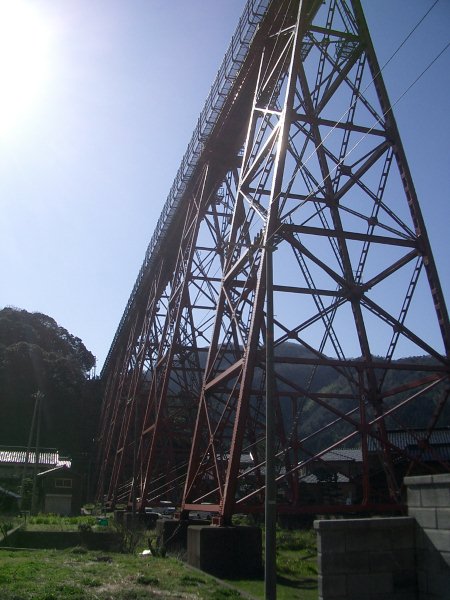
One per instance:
(24, 61)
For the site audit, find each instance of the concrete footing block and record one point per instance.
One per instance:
(172, 533)
(225, 551)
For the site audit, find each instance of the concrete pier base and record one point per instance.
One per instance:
(172, 533)
(225, 551)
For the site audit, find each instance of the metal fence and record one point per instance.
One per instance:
(235, 56)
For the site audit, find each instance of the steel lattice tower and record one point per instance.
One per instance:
(296, 153)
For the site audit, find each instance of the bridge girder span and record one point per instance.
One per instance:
(306, 158)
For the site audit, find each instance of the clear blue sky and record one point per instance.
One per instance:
(86, 166)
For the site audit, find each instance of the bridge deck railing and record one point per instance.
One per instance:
(235, 56)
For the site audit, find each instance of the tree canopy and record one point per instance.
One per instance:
(37, 354)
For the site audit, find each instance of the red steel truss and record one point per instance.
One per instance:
(304, 160)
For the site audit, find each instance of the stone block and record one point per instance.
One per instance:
(394, 596)
(401, 596)
(403, 537)
(398, 560)
(413, 497)
(225, 551)
(428, 558)
(405, 580)
(442, 479)
(422, 541)
(380, 560)
(332, 587)
(443, 518)
(418, 480)
(350, 562)
(425, 517)
(364, 541)
(366, 585)
(172, 533)
(422, 581)
(439, 539)
(331, 542)
(435, 495)
(439, 585)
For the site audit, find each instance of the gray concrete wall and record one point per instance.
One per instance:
(59, 540)
(366, 559)
(429, 504)
(404, 558)
(225, 552)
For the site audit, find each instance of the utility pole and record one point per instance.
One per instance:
(270, 571)
(27, 455)
(39, 396)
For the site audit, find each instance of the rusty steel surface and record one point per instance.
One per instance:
(304, 159)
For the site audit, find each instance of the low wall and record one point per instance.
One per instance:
(429, 504)
(363, 559)
(402, 558)
(225, 552)
(63, 539)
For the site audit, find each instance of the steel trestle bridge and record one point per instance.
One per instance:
(296, 154)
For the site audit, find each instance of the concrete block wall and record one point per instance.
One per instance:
(225, 551)
(429, 504)
(367, 559)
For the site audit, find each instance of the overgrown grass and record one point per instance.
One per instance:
(71, 575)
(50, 522)
(296, 567)
(79, 574)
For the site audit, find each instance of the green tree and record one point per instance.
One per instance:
(38, 354)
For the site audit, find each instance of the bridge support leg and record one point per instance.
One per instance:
(226, 551)
(172, 533)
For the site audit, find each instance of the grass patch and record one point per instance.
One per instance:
(192, 580)
(57, 523)
(81, 574)
(296, 567)
(52, 575)
(147, 580)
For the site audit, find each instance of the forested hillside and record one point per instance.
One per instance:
(413, 415)
(37, 354)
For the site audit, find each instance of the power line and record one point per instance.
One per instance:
(420, 76)
(385, 112)
(371, 82)
(407, 38)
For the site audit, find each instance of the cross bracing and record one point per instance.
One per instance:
(303, 158)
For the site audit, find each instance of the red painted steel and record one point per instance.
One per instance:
(306, 157)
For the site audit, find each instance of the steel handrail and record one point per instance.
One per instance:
(235, 56)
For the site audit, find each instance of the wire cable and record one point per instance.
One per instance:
(407, 37)
(340, 120)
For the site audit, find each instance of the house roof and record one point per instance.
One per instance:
(406, 439)
(53, 470)
(343, 454)
(417, 442)
(48, 457)
(312, 478)
(436, 448)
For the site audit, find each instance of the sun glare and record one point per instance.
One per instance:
(24, 61)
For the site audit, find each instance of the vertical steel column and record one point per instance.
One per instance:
(270, 562)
